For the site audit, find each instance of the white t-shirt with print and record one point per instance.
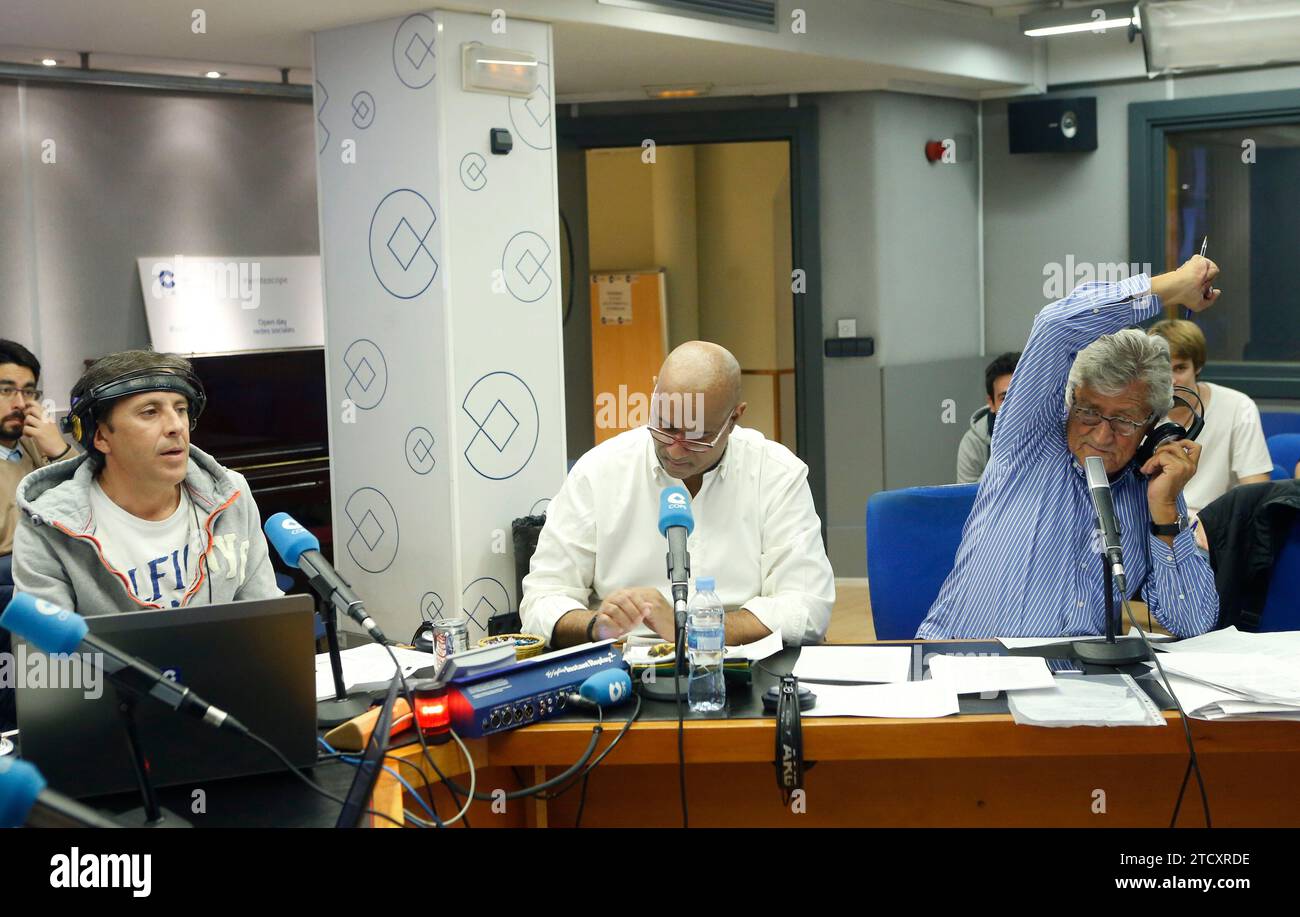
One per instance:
(159, 559)
(1232, 447)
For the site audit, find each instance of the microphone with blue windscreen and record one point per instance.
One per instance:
(56, 630)
(25, 800)
(300, 549)
(607, 688)
(676, 523)
(46, 626)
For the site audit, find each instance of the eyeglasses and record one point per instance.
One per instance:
(1120, 426)
(690, 445)
(8, 391)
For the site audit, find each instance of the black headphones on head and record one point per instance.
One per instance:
(81, 418)
(1169, 431)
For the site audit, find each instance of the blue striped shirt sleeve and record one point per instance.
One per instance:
(1035, 401)
(1179, 589)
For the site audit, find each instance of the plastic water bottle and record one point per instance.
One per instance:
(705, 632)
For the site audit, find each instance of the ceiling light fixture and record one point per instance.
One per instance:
(1089, 18)
(691, 91)
(49, 62)
(214, 74)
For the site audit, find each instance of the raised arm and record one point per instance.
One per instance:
(1035, 402)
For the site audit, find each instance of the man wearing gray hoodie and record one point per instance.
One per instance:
(143, 519)
(973, 452)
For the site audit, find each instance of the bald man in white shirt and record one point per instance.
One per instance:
(756, 530)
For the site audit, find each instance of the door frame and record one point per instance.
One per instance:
(798, 127)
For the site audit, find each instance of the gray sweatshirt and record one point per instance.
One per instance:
(58, 558)
(973, 452)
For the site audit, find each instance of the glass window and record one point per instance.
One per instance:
(1241, 187)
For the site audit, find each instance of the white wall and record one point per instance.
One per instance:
(900, 255)
(467, 431)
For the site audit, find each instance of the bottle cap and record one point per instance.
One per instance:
(704, 584)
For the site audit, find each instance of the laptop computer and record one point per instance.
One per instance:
(254, 659)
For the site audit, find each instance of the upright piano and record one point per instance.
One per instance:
(266, 418)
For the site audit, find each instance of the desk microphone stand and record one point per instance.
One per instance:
(150, 815)
(341, 707)
(1110, 651)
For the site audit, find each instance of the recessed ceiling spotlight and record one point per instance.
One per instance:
(49, 62)
(214, 74)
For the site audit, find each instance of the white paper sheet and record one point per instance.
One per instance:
(905, 700)
(366, 664)
(870, 664)
(977, 674)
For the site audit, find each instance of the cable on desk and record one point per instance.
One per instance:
(1193, 765)
(316, 788)
(424, 747)
(545, 785)
(681, 728)
(636, 712)
(355, 761)
(586, 774)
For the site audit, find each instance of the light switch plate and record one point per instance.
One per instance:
(848, 327)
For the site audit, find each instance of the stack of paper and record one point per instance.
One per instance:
(367, 665)
(1215, 684)
(1093, 700)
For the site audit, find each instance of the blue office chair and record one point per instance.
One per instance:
(912, 538)
(1275, 422)
(1284, 449)
(1282, 606)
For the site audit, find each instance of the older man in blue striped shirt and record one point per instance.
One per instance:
(1028, 562)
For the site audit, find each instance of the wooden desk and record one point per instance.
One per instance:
(958, 771)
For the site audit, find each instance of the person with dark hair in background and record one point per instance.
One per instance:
(143, 519)
(973, 453)
(28, 440)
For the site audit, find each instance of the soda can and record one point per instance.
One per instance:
(450, 636)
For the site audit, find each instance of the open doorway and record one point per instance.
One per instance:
(726, 214)
(699, 236)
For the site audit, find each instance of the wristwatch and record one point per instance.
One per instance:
(591, 628)
(1173, 529)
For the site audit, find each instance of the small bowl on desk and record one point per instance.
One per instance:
(526, 645)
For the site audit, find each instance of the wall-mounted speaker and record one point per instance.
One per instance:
(1053, 125)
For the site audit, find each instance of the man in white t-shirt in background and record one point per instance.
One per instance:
(143, 519)
(1233, 450)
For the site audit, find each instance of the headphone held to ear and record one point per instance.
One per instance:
(1169, 431)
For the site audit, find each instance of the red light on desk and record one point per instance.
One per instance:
(433, 710)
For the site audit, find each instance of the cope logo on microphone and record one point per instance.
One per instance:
(616, 690)
(677, 499)
(48, 608)
(291, 525)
